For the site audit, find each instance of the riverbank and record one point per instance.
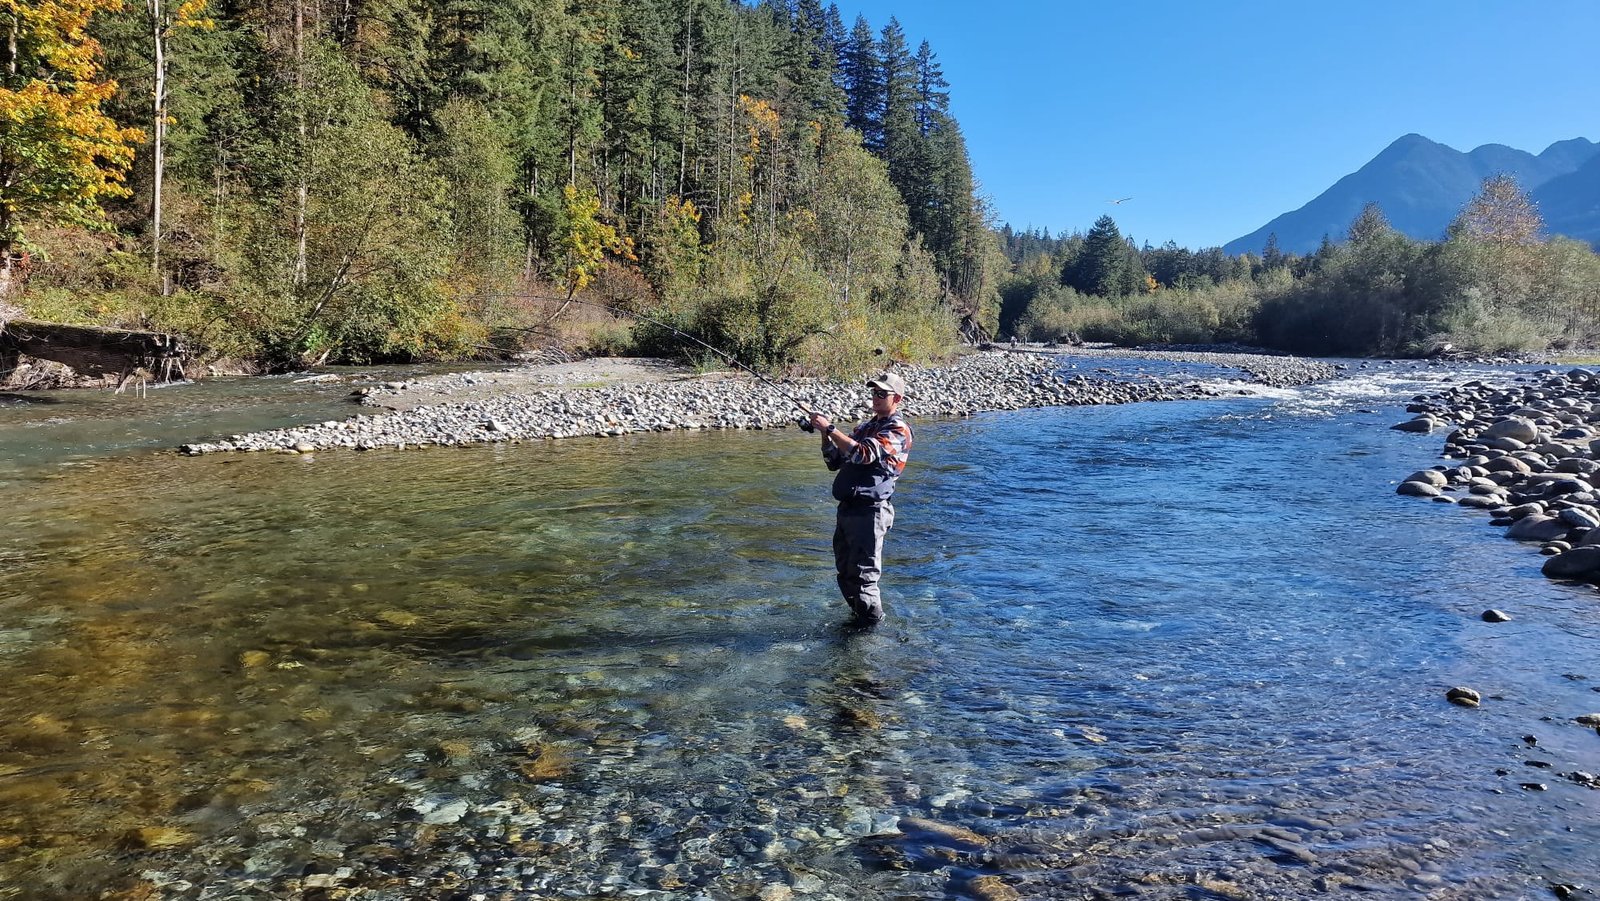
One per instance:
(1527, 457)
(599, 398)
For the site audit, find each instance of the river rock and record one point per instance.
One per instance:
(1588, 719)
(1496, 616)
(991, 888)
(1463, 696)
(438, 814)
(1523, 511)
(1579, 519)
(950, 834)
(1508, 464)
(1514, 427)
(1417, 489)
(1578, 563)
(1420, 424)
(1537, 528)
(1559, 487)
(1429, 477)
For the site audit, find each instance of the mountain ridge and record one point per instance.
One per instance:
(1422, 185)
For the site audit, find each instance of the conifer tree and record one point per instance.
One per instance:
(1370, 223)
(933, 91)
(1271, 256)
(1102, 268)
(862, 72)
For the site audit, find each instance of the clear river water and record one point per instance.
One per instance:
(1182, 650)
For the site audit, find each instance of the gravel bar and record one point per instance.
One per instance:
(978, 382)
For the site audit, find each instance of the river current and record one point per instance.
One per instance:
(1165, 650)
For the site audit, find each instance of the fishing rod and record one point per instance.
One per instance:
(623, 311)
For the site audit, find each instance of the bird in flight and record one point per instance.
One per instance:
(1123, 200)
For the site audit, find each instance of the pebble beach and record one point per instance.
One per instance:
(612, 398)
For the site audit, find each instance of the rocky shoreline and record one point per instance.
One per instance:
(1529, 456)
(670, 401)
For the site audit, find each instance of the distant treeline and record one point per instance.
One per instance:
(1493, 285)
(310, 181)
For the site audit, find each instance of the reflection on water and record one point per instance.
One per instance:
(1177, 650)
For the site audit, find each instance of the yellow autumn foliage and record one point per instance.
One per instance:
(588, 239)
(59, 153)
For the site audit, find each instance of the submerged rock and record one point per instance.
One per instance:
(1465, 697)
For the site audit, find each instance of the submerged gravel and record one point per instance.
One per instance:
(992, 380)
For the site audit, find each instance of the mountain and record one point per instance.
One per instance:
(1570, 204)
(1421, 185)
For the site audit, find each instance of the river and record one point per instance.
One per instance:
(1174, 650)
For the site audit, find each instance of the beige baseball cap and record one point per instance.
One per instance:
(889, 382)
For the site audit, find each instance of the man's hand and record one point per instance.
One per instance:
(820, 422)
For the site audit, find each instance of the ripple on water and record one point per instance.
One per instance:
(1188, 650)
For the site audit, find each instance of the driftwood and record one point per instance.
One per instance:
(91, 351)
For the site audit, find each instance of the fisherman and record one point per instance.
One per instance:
(868, 461)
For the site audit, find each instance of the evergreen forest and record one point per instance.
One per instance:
(305, 182)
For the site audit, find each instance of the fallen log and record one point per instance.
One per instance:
(93, 351)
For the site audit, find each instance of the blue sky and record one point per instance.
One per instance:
(1216, 117)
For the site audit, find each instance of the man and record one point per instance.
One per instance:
(868, 461)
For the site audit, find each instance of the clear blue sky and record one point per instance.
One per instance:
(1216, 117)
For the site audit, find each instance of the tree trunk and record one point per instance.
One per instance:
(90, 350)
(7, 221)
(158, 134)
(683, 137)
(301, 192)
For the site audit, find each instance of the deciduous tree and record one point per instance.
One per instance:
(60, 154)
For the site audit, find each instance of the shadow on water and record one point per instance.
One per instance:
(15, 399)
(1176, 650)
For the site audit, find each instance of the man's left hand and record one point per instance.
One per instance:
(820, 423)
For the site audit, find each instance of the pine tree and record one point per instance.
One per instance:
(817, 81)
(1369, 224)
(933, 91)
(1102, 267)
(862, 72)
(1271, 256)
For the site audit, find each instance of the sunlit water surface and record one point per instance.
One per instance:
(1181, 650)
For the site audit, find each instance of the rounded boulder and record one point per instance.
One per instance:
(1513, 427)
(1578, 563)
(1420, 424)
(1537, 528)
